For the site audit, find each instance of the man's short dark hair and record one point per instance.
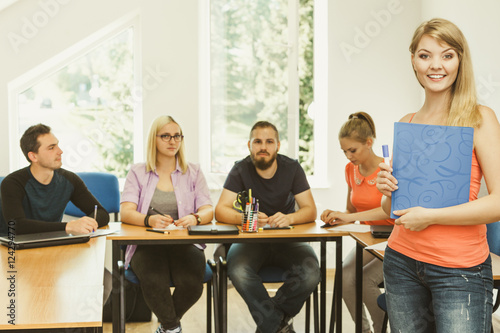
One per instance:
(29, 140)
(264, 124)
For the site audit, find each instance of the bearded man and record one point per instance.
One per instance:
(278, 183)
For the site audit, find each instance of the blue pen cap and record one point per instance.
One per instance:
(385, 150)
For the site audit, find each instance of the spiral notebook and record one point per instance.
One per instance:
(432, 165)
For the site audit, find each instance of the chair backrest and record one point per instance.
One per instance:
(104, 186)
(3, 224)
(493, 236)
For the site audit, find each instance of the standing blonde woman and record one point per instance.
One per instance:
(178, 190)
(437, 266)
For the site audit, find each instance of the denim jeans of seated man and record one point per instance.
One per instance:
(423, 297)
(301, 276)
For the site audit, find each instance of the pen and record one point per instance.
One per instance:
(162, 214)
(159, 231)
(385, 153)
(95, 215)
(157, 211)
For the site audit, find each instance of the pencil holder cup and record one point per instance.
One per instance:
(249, 221)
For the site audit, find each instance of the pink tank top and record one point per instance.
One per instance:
(456, 246)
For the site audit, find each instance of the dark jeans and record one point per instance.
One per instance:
(157, 266)
(302, 275)
(422, 297)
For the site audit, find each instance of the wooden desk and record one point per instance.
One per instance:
(308, 232)
(55, 287)
(363, 239)
(495, 266)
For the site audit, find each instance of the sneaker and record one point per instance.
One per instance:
(286, 326)
(178, 329)
(160, 329)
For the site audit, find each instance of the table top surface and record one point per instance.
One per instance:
(309, 231)
(59, 286)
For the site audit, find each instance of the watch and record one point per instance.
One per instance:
(198, 218)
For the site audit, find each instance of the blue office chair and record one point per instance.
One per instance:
(104, 186)
(274, 274)
(381, 302)
(210, 279)
(3, 224)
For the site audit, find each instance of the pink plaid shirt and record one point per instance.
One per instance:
(191, 192)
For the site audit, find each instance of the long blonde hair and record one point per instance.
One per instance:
(156, 126)
(463, 107)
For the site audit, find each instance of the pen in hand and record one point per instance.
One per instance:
(162, 214)
(157, 211)
(95, 215)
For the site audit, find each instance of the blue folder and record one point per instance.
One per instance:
(432, 165)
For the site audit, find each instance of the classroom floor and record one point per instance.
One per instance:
(239, 319)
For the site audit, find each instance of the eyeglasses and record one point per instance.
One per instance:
(167, 137)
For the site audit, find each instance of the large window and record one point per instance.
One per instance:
(87, 101)
(262, 68)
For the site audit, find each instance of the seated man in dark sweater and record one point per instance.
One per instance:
(36, 196)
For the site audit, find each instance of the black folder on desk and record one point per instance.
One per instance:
(211, 229)
(381, 231)
(43, 239)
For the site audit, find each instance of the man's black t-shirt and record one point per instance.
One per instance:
(275, 194)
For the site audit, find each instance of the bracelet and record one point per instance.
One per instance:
(198, 218)
(146, 220)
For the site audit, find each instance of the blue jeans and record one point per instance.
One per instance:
(423, 297)
(301, 276)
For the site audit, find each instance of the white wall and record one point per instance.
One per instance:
(375, 77)
(169, 45)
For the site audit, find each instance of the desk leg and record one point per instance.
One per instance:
(223, 295)
(323, 287)
(338, 284)
(359, 287)
(118, 316)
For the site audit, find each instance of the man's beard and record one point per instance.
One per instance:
(261, 163)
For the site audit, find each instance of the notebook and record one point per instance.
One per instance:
(381, 231)
(432, 165)
(44, 239)
(211, 229)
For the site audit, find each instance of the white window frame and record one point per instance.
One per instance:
(63, 59)
(319, 179)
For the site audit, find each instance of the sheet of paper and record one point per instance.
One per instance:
(377, 247)
(350, 227)
(170, 227)
(102, 232)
